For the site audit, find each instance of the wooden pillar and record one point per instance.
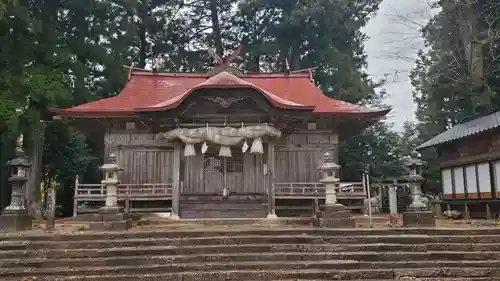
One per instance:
(75, 195)
(380, 197)
(176, 166)
(271, 213)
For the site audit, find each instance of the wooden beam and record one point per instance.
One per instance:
(465, 160)
(176, 165)
(271, 179)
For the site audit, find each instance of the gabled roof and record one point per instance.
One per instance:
(226, 80)
(466, 129)
(146, 91)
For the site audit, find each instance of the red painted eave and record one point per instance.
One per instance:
(70, 112)
(364, 113)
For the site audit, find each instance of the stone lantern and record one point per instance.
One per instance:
(414, 165)
(329, 170)
(15, 216)
(111, 216)
(417, 213)
(110, 181)
(334, 215)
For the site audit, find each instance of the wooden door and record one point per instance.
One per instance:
(210, 173)
(213, 173)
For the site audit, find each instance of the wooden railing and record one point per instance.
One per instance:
(314, 190)
(125, 193)
(297, 190)
(351, 190)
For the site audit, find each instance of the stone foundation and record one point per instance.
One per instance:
(16, 222)
(418, 218)
(337, 216)
(111, 219)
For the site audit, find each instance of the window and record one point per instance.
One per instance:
(484, 179)
(496, 175)
(447, 183)
(459, 183)
(215, 163)
(470, 174)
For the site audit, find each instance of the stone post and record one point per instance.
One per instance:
(417, 214)
(393, 203)
(111, 216)
(50, 222)
(334, 215)
(15, 217)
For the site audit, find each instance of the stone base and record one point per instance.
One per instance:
(111, 225)
(336, 216)
(418, 218)
(271, 216)
(111, 219)
(111, 210)
(16, 222)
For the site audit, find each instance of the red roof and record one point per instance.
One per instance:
(146, 91)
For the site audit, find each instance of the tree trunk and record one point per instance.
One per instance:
(214, 15)
(142, 45)
(6, 154)
(33, 186)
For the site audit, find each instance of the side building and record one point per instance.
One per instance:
(469, 158)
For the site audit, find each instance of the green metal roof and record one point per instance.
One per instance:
(466, 129)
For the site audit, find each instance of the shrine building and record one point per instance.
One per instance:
(218, 144)
(469, 159)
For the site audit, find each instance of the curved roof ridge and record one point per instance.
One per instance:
(227, 80)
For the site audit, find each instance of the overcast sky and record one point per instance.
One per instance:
(392, 47)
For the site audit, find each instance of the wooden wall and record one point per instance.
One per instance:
(478, 148)
(298, 155)
(144, 157)
(148, 159)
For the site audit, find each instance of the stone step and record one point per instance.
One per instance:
(290, 262)
(251, 230)
(275, 246)
(160, 278)
(242, 250)
(491, 234)
(418, 243)
(414, 279)
(156, 273)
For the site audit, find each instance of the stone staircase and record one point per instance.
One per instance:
(255, 253)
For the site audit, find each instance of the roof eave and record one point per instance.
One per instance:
(68, 113)
(372, 114)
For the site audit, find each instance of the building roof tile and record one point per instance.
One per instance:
(146, 91)
(466, 129)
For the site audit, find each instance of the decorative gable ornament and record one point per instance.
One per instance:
(223, 64)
